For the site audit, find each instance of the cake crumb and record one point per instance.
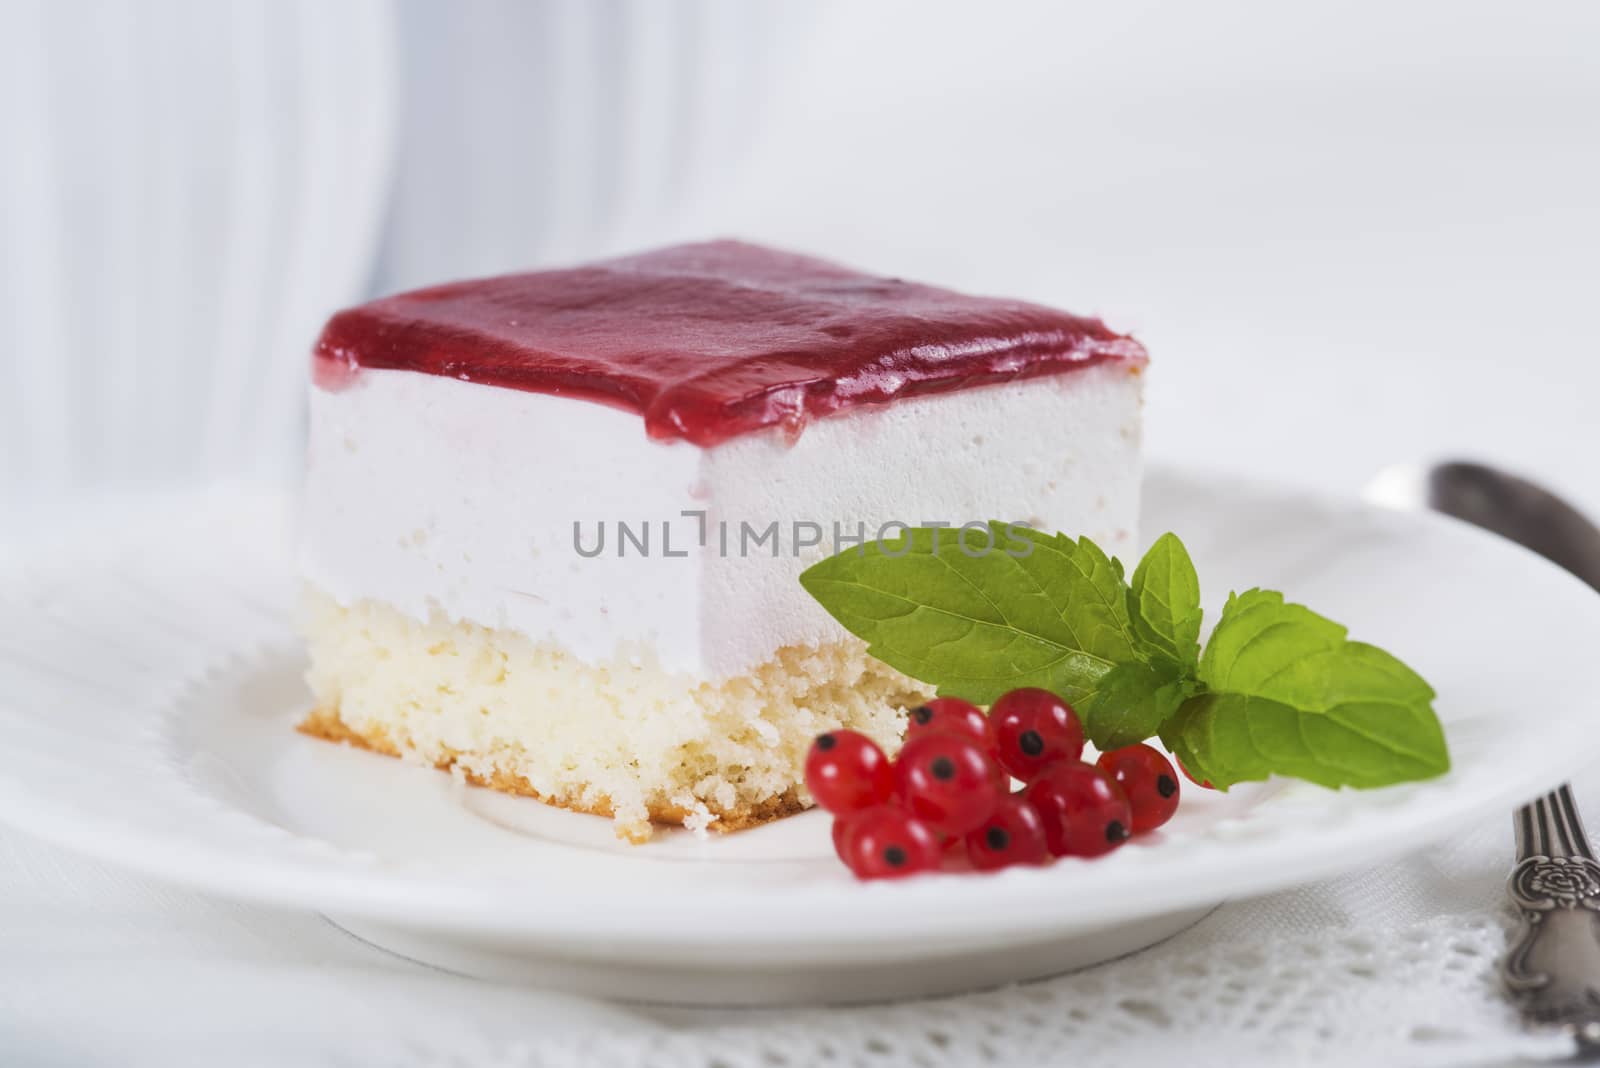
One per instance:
(626, 739)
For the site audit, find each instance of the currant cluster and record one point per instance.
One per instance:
(947, 799)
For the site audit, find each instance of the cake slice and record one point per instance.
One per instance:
(553, 522)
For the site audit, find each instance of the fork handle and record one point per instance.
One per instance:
(1554, 965)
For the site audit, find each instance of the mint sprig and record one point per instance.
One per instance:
(1278, 690)
(1133, 702)
(1164, 600)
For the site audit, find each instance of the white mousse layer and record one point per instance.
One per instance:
(434, 496)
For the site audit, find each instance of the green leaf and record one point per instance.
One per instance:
(1232, 738)
(1265, 647)
(1132, 702)
(1258, 636)
(1087, 589)
(1291, 695)
(1164, 603)
(1035, 611)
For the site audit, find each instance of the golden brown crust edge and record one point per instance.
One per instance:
(325, 724)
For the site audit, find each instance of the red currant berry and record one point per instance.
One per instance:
(1013, 835)
(887, 842)
(950, 714)
(1147, 779)
(841, 834)
(847, 772)
(954, 854)
(1084, 812)
(1034, 729)
(948, 781)
(1187, 774)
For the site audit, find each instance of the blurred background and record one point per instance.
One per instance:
(1350, 233)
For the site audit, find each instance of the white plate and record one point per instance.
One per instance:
(149, 677)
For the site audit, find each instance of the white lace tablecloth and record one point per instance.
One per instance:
(1393, 965)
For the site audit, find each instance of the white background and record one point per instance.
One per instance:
(1349, 233)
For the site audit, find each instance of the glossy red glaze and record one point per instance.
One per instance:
(710, 341)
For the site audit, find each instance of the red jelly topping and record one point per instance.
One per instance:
(710, 341)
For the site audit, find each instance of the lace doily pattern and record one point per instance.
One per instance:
(1426, 994)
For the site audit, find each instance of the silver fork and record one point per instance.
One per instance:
(1553, 967)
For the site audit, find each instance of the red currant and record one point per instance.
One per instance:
(1187, 774)
(948, 781)
(841, 833)
(887, 842)
(1013, 835)
(950, 714)
(847, 772)
(1034, 729)
(1147, 779)
(954, 854)
(1085, 813)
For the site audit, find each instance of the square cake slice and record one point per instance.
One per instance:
(553, 522)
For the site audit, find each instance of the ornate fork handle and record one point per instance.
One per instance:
(1553, 968)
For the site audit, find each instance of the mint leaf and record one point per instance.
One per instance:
(1164, 603)
(1291, 695)
(1258, 636)
(1265, 647)
(1231, 738)
(1131, 703)
(1087, 589)
(977, 626)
